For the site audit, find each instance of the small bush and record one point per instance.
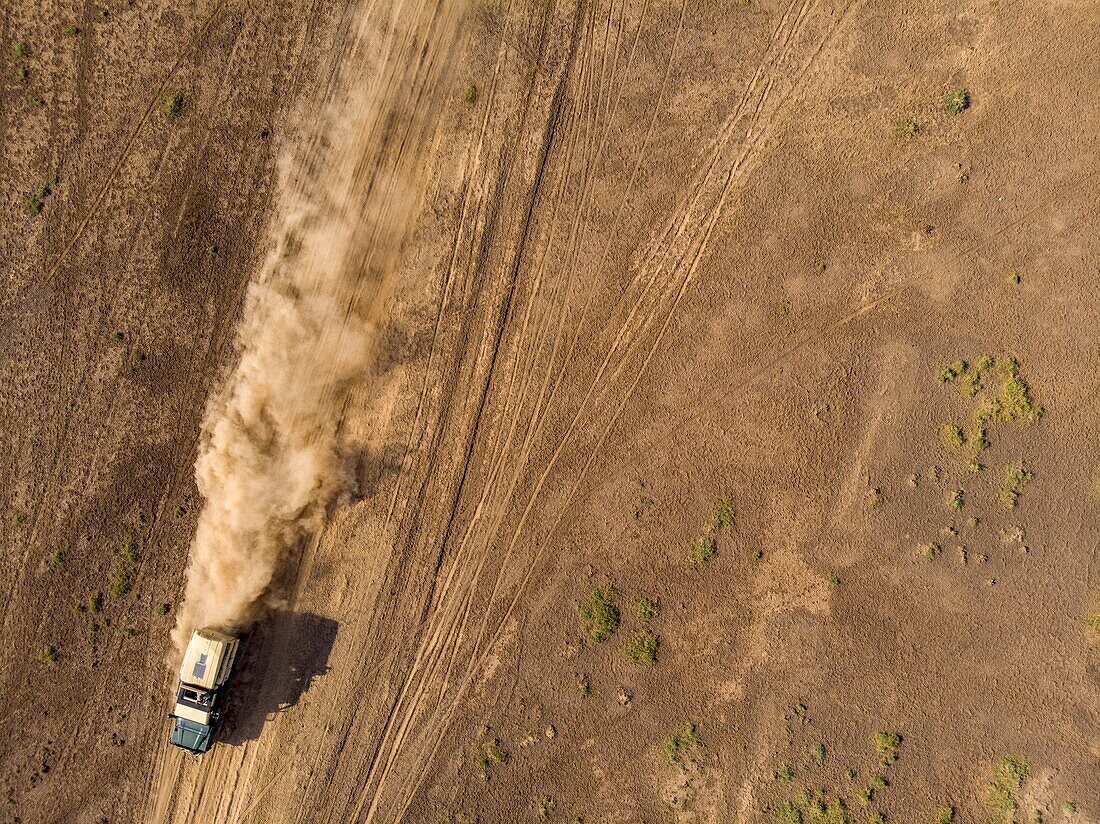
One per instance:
(956, 102)
(173, 105)
(955, 500)
(470, 95)
(788, 813)
(645, 610)
(952, 436)
(57, 558)
(94, 603)
(906, 128)
(20, 51)
(701, 551)
(47, 655)
(722, 516)
(1008, 778)
(887, 744)
(162, 609)
(952, 371)
(599, 616)
(642, 648)
(679, 746)
(1016, 476)
(820, 753)
(784, 773)
(946, 815)
(122, 581)
(72, 30)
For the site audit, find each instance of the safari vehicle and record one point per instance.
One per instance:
(200, 697)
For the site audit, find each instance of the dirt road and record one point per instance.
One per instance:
(663, 256)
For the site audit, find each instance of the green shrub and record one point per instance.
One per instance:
(642, 648)
(906, 128)
(679, 746)
(122, 581)
(47, 655)
(887, 744)
(701, 552)
(956, 102)
(1008, 778)
(20, 51)
(722, 516)
(1015, 478)
(173, 105)
(645, 610)
(599, 616)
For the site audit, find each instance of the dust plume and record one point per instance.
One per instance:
(269, 464)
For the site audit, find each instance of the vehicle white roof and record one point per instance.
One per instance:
(203, 657)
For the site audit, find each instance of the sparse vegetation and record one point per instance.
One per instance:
(722, 516)
(71, 30)
(814, 807)
(47, 655)
(955, 500)
(57, 558)
(34, 203)
(874, 498)
(1008, 778)
(642, 648)
(122, 581)
(946, 815)
(952, 372)
(956, 102)
(820, 752)
(470, 95)
(173, 105)
(598, 615)
(544, 808)
(887, 744)
(584, 688)
(679, 747)
(645, 610)
(163, 608)
(94, 603)
(1015, 478)
(20, 51)
(906, 128)
(124, 575)
(952, 436)
(701, 552)
(784, 773)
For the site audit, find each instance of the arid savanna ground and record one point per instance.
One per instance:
(730, 451)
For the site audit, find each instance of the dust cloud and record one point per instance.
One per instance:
(270, 464)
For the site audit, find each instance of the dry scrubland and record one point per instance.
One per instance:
(728, 450)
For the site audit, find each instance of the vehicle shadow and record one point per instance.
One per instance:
(278, 662)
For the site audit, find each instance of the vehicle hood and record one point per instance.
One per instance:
(192, 736)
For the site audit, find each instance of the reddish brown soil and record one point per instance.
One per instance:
(668, 255)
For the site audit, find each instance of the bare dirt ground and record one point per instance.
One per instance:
(667, 256)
